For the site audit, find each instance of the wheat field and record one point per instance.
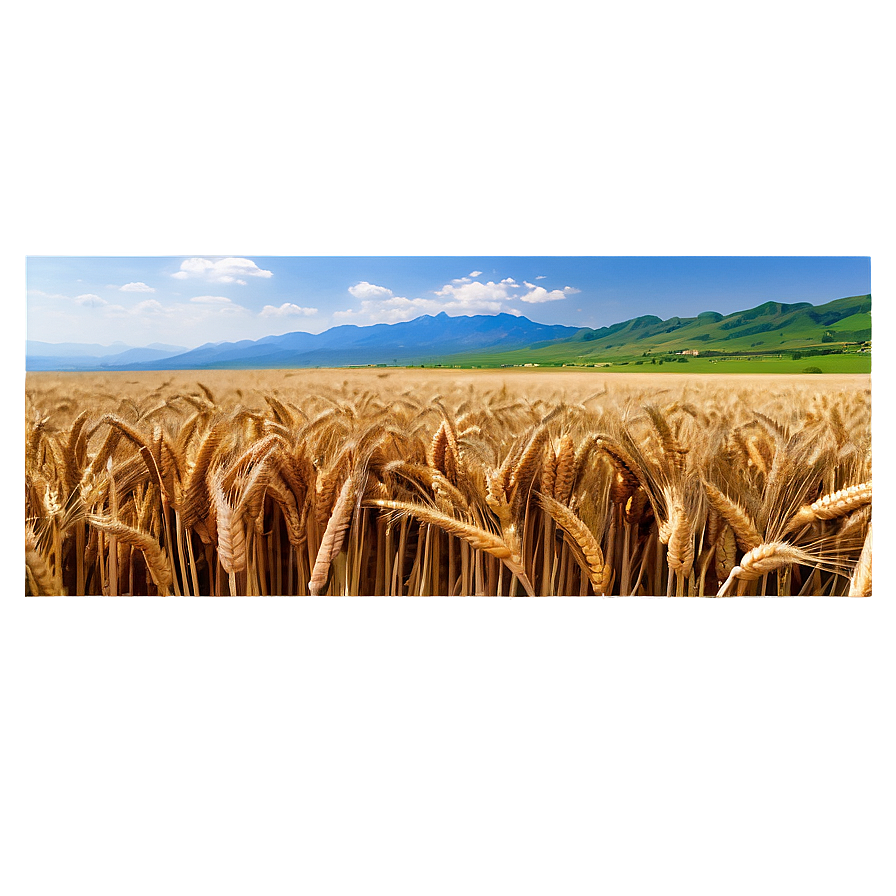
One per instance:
(423, 482)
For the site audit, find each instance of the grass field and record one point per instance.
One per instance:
(837, 364)
(853, 362)
(425, 482)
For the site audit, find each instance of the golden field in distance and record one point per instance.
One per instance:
(395, 481)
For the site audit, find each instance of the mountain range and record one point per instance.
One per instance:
(487, 339)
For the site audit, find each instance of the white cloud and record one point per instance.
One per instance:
(539, 294)
(392, 310)
(541, 277)
(139, 286)
(365, 290)
(287, 309)
(89, 300)
(476, 296)
(460, 296)
(475, 274)
(380, 306)
(226, 270)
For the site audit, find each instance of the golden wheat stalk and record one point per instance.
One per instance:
(156, 559)
(831, 506)
(674, 454)
(450, 495)
(745, 530)
(334, 536)
(629, 475)
(681, 541)
(726, 552)
(581, 539)
(524, 473)
(231, 533)
(481, 539)
(860, 582)
(36, 566)
(564, 469)
(763, 559)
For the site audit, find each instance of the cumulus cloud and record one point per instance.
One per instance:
(391, 310)
(538, 294)
(89, 300)
(139, 286)
(226, 270)
(287, 309)
(365, 290)
(380, 305)
(476, 296)
(461, 296)
(475, 274)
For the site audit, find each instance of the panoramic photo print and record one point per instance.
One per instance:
(607, 426)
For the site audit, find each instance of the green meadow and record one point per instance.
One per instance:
(771, 338)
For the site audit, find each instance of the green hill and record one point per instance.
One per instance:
(771, 331)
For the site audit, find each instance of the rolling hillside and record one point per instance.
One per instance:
(771, 330)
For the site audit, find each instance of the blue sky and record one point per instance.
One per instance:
(189, 300)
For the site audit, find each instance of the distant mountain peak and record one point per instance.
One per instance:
(429, 339)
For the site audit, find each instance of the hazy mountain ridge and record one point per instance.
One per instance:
(443, 339)
(416, 341)
(81, 356)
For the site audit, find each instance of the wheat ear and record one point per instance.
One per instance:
(671, 447)
(681, 541)
(524, 473)
(196, 499)
(860, 583)
(156, 560)
(745, 531)
(564, 469)
(628, 473)
(231, 535)
(281, 412)
(726, 552)
(36, 565)
(481, 539)
(581, 539)
(831, 506)
(764, 559)
(334, 536)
